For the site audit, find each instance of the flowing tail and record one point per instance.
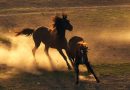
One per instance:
(26, 31)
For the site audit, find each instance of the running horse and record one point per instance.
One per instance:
(78, 52)
(52, 38)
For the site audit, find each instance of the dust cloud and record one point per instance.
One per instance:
(20, 56)
(105, 47)
(122, 36)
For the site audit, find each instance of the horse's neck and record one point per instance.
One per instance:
(61, 33)
(57, 32)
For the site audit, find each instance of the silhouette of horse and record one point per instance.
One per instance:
(54, 38)
(78, 53)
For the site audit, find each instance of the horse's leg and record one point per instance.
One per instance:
(34, 51)
(91, 70)
(50, 59)
(37, 43)
(68, 54)
(76, 67)
(65, 58)
(46, 50)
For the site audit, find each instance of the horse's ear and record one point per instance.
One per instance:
(64, 16)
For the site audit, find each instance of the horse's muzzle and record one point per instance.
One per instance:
(70, 28)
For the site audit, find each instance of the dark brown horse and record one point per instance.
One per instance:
(78, 54)
(54, 38)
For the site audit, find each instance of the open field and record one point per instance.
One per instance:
(113, 77)
(105, 28)
(59, 3)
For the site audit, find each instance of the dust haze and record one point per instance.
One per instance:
(107, 37)
(20, 56)
(106, 48)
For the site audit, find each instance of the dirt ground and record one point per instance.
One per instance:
(105, 28)
(12, 79)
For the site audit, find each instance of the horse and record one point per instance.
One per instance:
(51, 38)
(78, 53)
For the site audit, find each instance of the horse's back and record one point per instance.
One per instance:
(42, 30)
(74, 40)
(73, 44)
(42, 34)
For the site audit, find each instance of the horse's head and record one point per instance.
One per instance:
(62, 23)
(83, 48)
(81, 52)
(66, 23)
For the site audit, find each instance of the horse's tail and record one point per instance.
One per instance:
(26, 31)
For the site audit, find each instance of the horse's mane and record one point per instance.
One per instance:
(59, 25)
(55, 20)
(82, 43)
